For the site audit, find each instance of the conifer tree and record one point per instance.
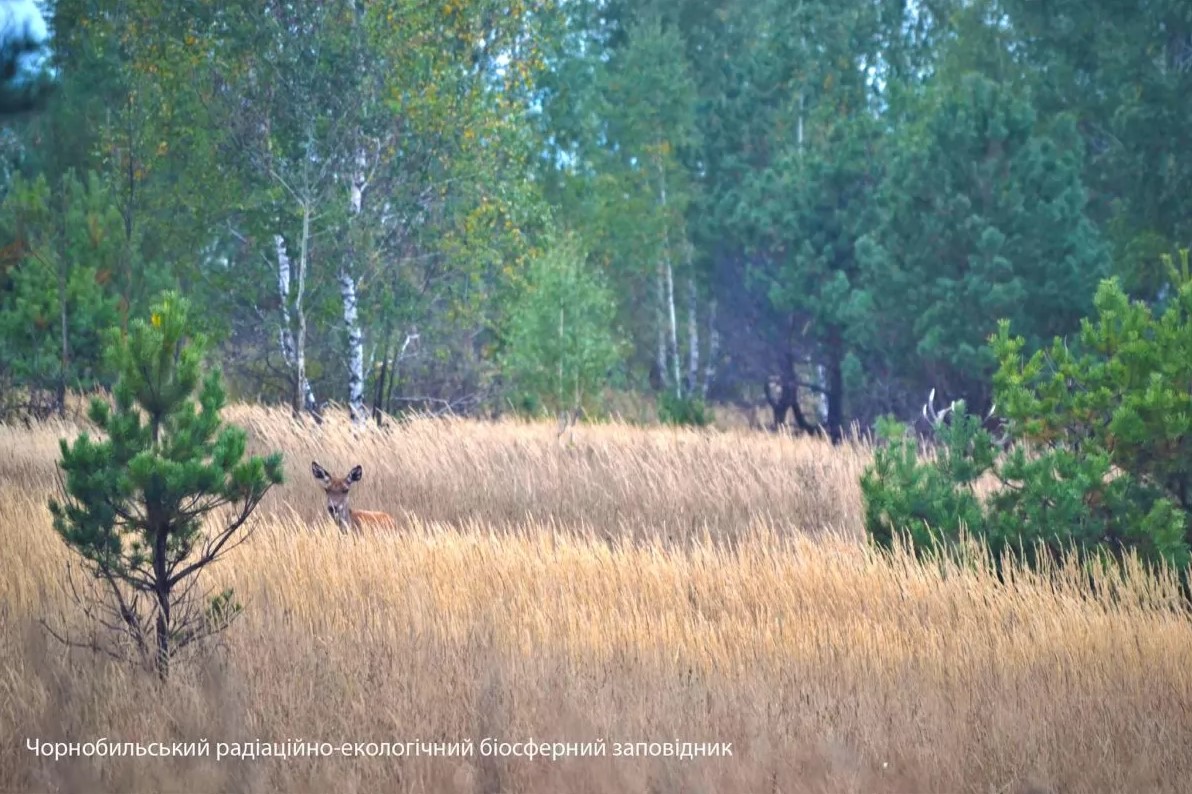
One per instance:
(165, 495)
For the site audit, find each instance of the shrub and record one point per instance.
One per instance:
(673, 410)
(1101, 435)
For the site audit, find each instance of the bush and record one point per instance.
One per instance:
(1101, 435)
(693, 411)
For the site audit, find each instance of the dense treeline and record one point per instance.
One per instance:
(484, 205)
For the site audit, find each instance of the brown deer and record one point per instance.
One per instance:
(337, 489)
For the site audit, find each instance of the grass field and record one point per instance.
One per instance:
(629, 585)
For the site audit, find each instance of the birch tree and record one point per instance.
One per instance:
(650, 99)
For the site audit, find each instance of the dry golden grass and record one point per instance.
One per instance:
(636, 585)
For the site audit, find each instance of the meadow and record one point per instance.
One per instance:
(623, 584)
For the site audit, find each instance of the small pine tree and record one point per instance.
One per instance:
(136, 502)
(1101, 426)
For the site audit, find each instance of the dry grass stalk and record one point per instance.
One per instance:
(637, 585)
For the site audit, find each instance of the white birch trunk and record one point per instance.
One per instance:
(669, 271)
(660, 317)
(347, 291)
(673, 341)
(285, 336)
(308, 394)
(293, 345)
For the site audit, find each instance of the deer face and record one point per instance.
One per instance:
(337, 490)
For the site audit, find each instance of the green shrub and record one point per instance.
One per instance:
(691, 411)
(1100, 429)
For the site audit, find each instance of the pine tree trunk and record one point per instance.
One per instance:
(161, 580)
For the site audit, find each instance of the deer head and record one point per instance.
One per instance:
(337, 490)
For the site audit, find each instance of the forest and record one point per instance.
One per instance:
(481, 207)
(429, 346)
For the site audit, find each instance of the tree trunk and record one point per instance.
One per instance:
(834, 371)
(65, 363)
(713, 351)
(660, 317)
(161, 576)
(692, 338)
(379, 391)
(395, 367)
(673, 341)
(307, 394)
(347, 291)
(669, 273)
(821, 401)
(779, 400)
(293, 344)
(782, 393)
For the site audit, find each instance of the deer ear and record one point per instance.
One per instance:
(319, 472)
(355, 474)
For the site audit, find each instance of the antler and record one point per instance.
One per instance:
(1002, 438)
(936, 418)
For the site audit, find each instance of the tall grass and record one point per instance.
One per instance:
(631, 585)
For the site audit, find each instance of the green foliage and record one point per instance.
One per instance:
(1125, 70)
(1102, 428)
(686, 410)
(560, 344)
(929, 499)
(56, 296)
(872, 230)
(632, 187)
(136, 500)
(981, 216)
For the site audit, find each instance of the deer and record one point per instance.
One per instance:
(938, 418)
(337, 489)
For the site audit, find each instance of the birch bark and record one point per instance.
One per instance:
(348, 294)
(293, 341)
